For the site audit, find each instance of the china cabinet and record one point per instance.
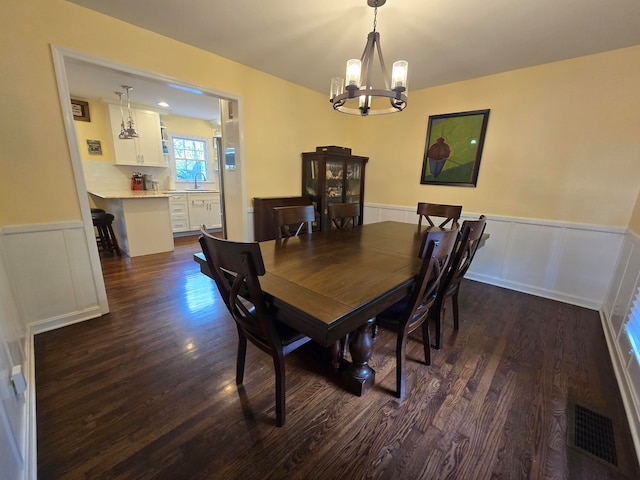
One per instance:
(332, 175)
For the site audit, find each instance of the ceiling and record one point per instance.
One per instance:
(444, 41)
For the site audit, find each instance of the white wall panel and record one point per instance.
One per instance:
(51, 273)
(586, 262)
(558, 260)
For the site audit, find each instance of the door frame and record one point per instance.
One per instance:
(234, 200)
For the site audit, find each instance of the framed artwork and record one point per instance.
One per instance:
(95, 148)
(80, 110)
(453, 148)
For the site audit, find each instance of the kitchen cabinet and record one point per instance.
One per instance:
(179, 212)
(146, 150)
(204, 208)
(189, 211)
(333, 175)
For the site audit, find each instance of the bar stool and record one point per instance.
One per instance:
(106, 239)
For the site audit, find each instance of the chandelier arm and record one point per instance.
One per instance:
(382, 65)
(367, 59)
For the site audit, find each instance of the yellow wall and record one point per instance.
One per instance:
(99, 128)
(281, 119)
(562, 141)
(634, 224)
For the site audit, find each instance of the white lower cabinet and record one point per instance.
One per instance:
(179, 212)
(204, 209)
(189, 211)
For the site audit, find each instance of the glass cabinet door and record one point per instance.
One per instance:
(352, 182)
(334, 182)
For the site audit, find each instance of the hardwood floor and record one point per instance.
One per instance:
(148, 391)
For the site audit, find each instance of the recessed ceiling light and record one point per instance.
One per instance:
(163, 104)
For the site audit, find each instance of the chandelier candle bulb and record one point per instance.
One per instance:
(399, 74)
(354, 67)
(337, 87)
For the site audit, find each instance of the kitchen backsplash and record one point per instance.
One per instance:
(104, 176)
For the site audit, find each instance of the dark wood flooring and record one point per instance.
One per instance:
(148, 391)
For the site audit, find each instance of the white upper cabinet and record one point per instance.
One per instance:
(145, 150)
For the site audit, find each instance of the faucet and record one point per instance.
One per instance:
(195, 179)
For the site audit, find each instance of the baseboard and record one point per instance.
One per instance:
(68, 318)
(533, 290)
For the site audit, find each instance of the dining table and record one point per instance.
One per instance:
(333, 283)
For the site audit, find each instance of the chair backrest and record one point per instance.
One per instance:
(343, 214)
(435, 253)
(465, 250)
(290, 221)
(450, 213)
(235, 267)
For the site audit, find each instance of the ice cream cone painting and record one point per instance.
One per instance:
(453, 148)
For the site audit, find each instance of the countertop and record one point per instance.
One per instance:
(145, 193)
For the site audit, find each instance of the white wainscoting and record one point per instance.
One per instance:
(569, 262)
(615, 313)
(50, 269)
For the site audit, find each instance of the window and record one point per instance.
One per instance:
(633, 326)
(191, 156)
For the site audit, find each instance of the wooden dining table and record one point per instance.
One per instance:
(330, 284)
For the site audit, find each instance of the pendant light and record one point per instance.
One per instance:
(359, 78)
(127, 130)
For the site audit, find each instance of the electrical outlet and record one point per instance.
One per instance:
(19, 382)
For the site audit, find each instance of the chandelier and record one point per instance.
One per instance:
(359, 78)
(127, 130)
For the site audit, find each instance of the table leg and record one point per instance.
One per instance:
(359, 377)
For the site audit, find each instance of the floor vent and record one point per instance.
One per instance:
(591, 433)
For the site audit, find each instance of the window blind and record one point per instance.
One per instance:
(633, 326)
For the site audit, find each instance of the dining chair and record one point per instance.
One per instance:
(450, 214)
(464, 251)
(290, 221)
(343, 214)
(236, 268)
(410, 313)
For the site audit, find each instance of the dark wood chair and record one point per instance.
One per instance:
(236, 268)
(290, 221)
(344, 214)
(464, 251)
(450, 214)
(412, 312)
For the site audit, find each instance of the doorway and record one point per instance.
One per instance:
(226, 106)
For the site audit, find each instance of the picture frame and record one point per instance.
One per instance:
(94, 147)
(80, 110)
(453, 148)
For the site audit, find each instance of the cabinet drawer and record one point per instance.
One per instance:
(179, 224)
(178, 208)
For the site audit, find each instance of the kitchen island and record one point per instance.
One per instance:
(142, 222)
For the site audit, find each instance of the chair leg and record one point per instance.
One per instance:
(401, 347)
(114, 240)
(335, 354)
(438, 313)
(454, 301)
(278, 363)
(242, 354)
(426, 343)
